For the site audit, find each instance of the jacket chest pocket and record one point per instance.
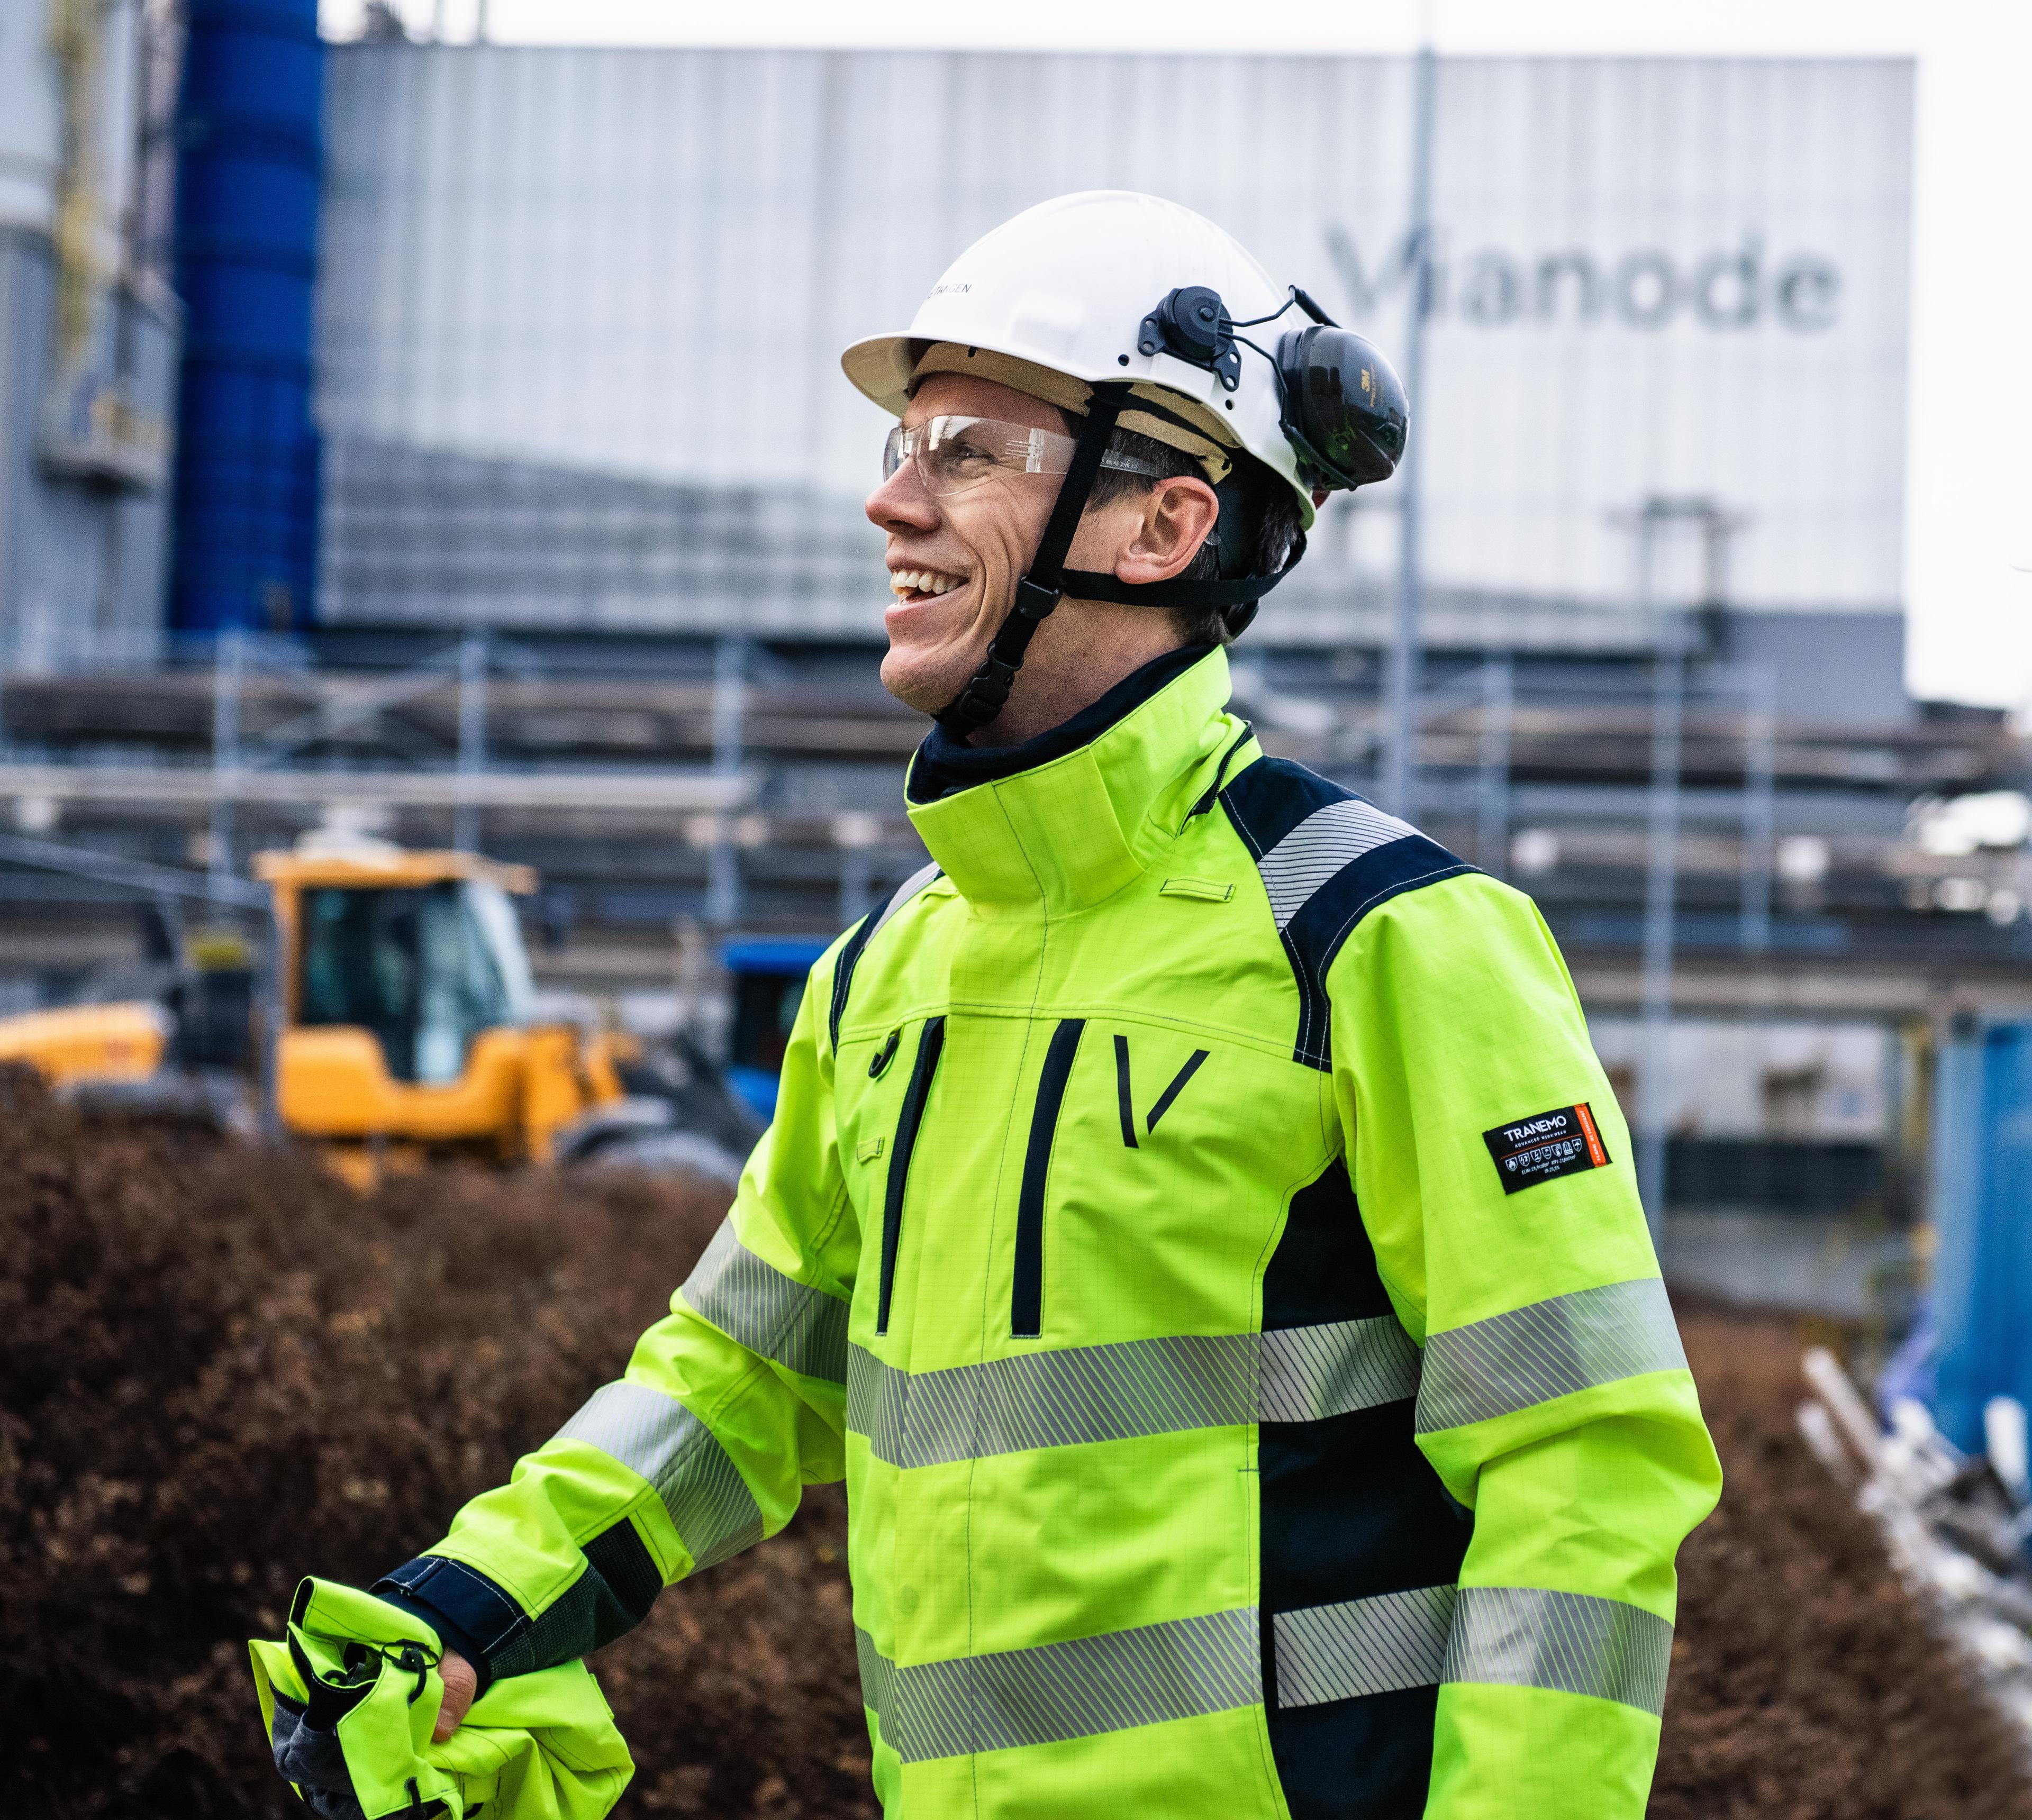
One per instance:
(1088, 1092)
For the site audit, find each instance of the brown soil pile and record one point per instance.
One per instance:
(1804, 1685)
(219, 1370)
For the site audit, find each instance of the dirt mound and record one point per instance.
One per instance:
(1804, 1685)
(219, 1369)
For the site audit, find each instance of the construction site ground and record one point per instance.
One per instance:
(220, 1370)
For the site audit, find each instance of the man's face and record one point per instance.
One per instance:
(954, 562)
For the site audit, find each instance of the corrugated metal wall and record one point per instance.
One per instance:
(87, 351)
(1682, 277)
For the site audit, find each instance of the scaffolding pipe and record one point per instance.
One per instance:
(729, 702)
(1759, 769)
(471, 737)
(229, 661)
(1400, 757)
(1492, 837)
(142, 876)
(1661, 890)
(856, 879)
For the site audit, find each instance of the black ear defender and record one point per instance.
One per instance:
(1344, 407)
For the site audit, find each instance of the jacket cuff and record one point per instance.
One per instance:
(469, 1613)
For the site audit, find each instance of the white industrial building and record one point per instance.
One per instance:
(566, 289)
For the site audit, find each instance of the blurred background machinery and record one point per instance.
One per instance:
(516, 510)
(389, 1017)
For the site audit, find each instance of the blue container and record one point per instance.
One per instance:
(768, 984)
(1982, 1208)
(249, 147)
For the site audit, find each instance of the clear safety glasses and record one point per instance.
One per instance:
(955, 454)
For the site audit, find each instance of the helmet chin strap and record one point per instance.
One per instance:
(1041, 589)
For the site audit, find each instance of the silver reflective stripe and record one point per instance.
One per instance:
(657, 1436)
(1552, 1348)
(1513, 1636)
(876, 1672)
(1527, 1637)
(1311, 1372)
(801, 1328)
(1314, 850)
(1133, 1387)
(1371, 1646)
(1055, 1692)
(903, 895)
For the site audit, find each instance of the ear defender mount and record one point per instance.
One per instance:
(1192, 325)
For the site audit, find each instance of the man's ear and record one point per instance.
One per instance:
(1178, 517)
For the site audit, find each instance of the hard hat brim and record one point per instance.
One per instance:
(880, 368)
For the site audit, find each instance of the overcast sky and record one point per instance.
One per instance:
(1969, 493)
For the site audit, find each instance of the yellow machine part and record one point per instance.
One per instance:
(88, 1042)
(518, 1088)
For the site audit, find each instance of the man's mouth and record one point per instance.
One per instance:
(922, 584)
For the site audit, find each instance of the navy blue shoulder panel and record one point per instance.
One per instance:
(1328, 858)
(842, 973)
(865, 931)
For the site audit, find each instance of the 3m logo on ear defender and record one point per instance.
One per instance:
(1560, 1143)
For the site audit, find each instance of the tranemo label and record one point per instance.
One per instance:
(1553, 1144)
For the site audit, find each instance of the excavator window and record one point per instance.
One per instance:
(418, 966)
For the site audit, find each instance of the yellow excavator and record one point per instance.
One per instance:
(405, 1025)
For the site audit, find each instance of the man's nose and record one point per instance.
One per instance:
(900, 503)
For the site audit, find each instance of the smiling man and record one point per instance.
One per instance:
(964, 519)
(1195, 1224)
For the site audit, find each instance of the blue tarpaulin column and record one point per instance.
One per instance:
(248, 153)
(1982, 1176)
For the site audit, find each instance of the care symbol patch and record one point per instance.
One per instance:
(1125, 1099)
(1548, 1145)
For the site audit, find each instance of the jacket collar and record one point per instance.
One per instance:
(1067, 819)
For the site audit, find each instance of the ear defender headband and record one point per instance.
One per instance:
(1341, 408)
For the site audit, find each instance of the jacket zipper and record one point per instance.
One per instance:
(929, 1045)
(1026, 1303)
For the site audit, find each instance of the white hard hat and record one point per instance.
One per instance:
(1066, 287)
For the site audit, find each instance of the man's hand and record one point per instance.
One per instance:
(459, 1685)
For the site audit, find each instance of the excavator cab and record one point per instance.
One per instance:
(407, 1007)
(425, 968)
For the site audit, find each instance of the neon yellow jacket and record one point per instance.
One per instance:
(1198, 1229)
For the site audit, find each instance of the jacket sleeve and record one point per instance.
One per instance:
(1554, 1398)
(730, 1406)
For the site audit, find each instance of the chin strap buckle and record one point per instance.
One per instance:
(981, 700)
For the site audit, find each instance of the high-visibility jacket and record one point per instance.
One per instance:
(1198, 1229)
